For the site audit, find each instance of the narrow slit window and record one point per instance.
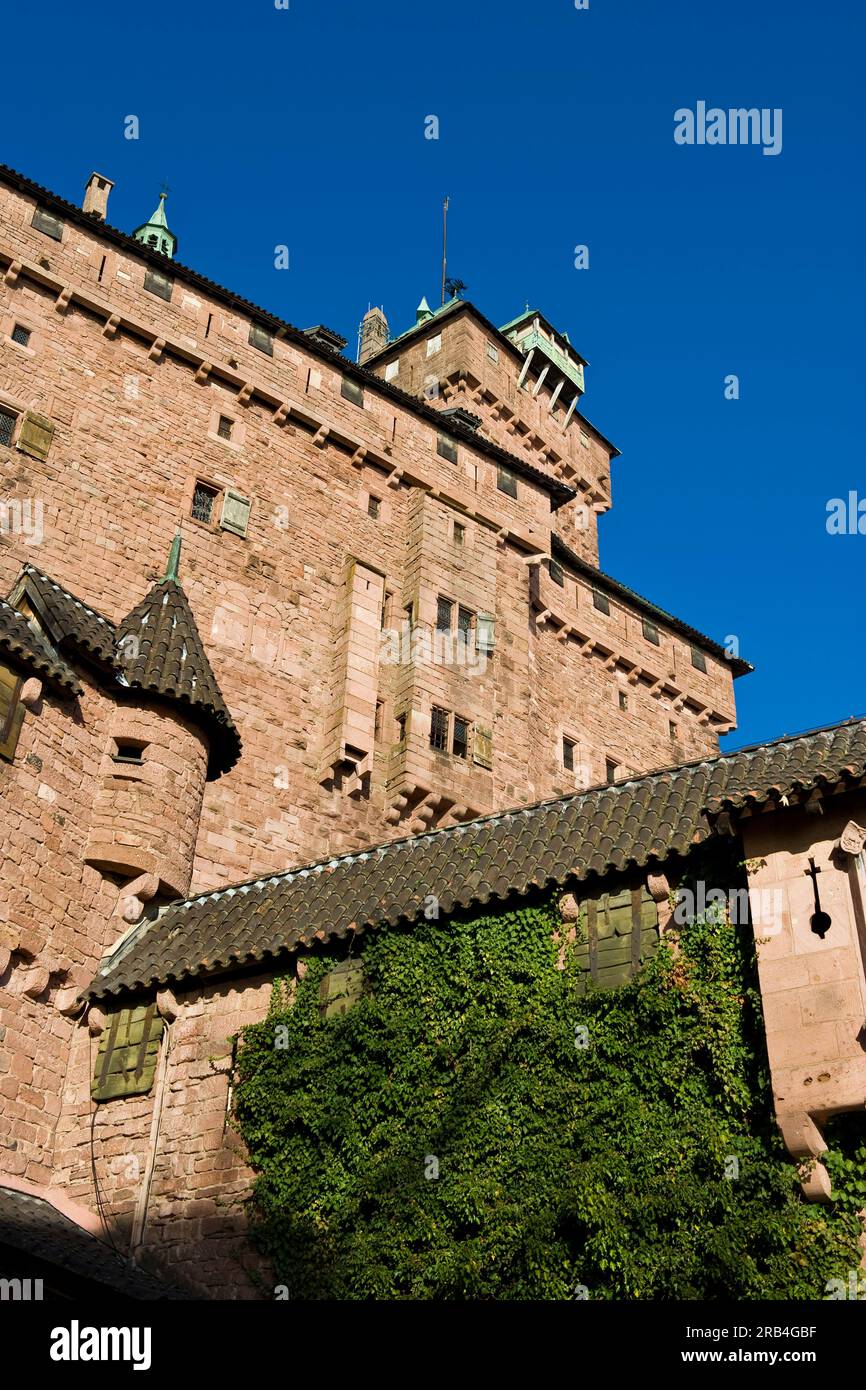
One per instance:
(374, 507)
(401, 728)
(459, 533)
(129, 750)
(439, 729)
(568, 754)
(611, 769)
(225, 427)
(623, 700)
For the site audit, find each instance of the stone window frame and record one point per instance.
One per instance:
(12, 321)
(218, 489)
(239, 429)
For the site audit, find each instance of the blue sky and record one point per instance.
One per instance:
(305, 127)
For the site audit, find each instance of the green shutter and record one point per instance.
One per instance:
(128, 1051)
(235, 513)
(35, 435)
(11, 713)
(341, 988)
(484, 632)
(482, 747)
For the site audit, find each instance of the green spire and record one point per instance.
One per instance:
(173, 559)
(156, 233)
(423, 312)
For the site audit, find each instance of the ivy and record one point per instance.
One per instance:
(476, 1128)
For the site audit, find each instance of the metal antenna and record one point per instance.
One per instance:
(444, 244)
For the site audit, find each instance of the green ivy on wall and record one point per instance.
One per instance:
(477, 1126)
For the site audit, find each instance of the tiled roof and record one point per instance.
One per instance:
(600, 580)
(70, 621)
(560, 491)
(25, 646)
(35, 1227)
(630, 824)
(169, 659)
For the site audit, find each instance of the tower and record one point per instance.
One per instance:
(155, 232)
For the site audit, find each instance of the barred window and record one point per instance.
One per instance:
(464, 625)
(7, 426)
(460, 744)
(444, 609)
(203, 500)
(439, 729)
(21, 335)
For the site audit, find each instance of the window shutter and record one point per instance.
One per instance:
(235, 513)
(482, 747)
(341, 988)
(35, 435)
(11, 713)
(484, 632)
(128, 1049)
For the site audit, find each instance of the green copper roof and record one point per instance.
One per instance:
(155, 232)
(173, 559)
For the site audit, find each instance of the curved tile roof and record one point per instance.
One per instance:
(25, 646)
(606, 829)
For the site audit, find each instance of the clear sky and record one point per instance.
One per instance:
(306, 127)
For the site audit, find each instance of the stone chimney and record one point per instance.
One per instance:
(96, 196)
(373, 336)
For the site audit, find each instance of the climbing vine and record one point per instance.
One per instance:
(476, 1127)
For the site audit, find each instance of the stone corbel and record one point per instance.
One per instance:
(111, 325)
(31, 692)
(203, 371)
(167, 1004)
(156, 349)
(320, 438)
(245, 392)
(95, 1021)
(395, 477)
(660, 892)
(61, 303)
(359, 457)
(804, 1142)
(134, 895)
(281, 414)
(13, 271)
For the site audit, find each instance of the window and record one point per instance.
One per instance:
(129, 750)
(568, 754)
(459, 533)
(464, 625)
(401, 728)
(556, 574)
(434, 344)
(263, 340)
(623, 700)
(352, 391)
(409, 615)
(128, 1049)
(392, 370)
(506, 481)
(439, 729)
(460, 742)
(699, 661)
(493, 352)
(203, 499)
(21, 335)
(610, 769)
(11, 712)
(225, 427)
(7, 426)
(49, 224)
(157, 283)
(444, 608)
(446, 448)
(651, 632)
(600, 601)
(377, 721)
(673, 730)
(374, 506)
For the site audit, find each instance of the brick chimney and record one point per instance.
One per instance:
(373, 336)
(96, 196)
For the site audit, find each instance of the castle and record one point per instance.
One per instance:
(267, 608)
